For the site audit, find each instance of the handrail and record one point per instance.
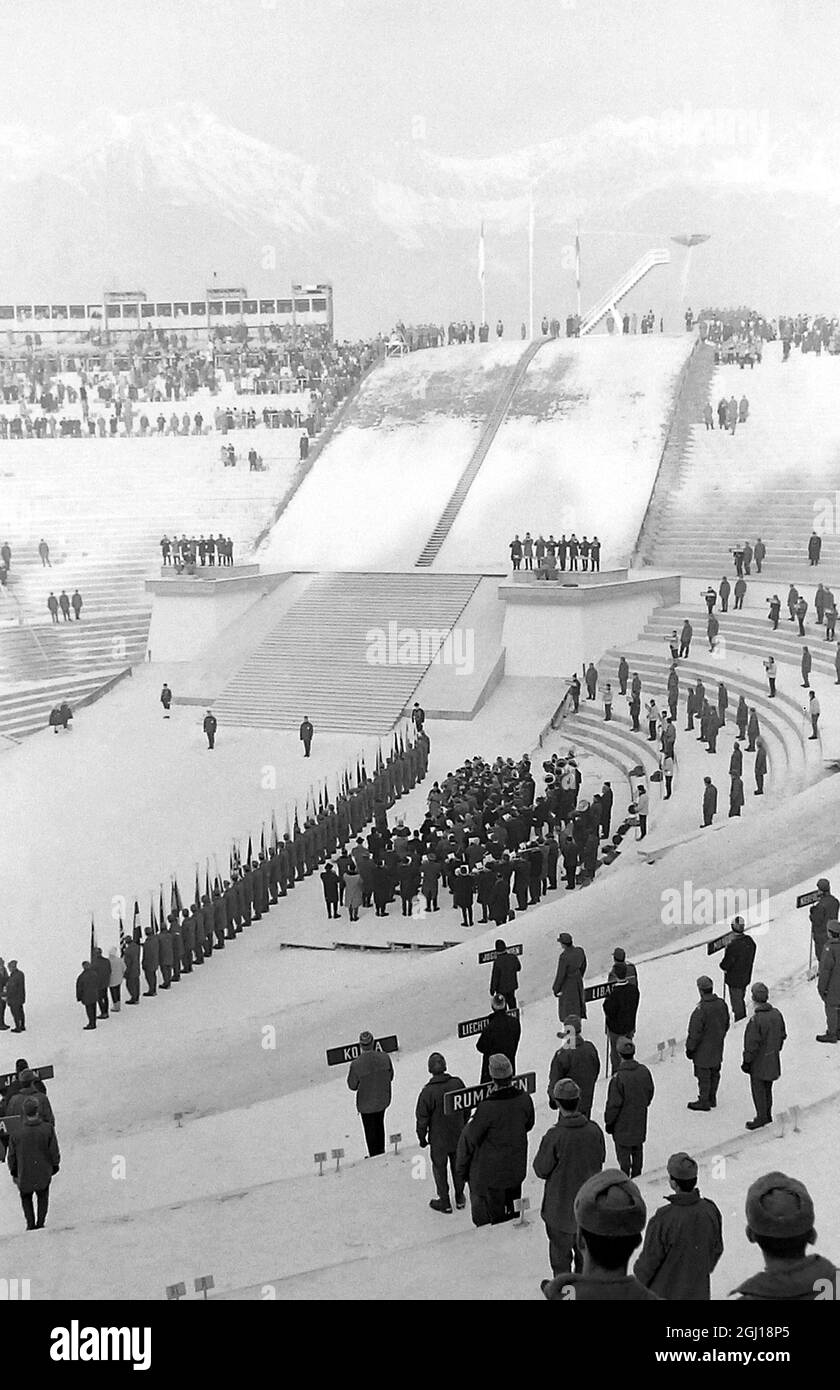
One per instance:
(637, 272)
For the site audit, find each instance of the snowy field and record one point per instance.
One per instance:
(578, 451)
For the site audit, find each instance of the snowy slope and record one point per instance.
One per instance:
(377, 490)
(578, 451)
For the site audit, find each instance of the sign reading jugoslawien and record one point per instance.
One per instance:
(337, 1055)
(487, 957)
(805, 899)
(470, 1096)
(477, 1025)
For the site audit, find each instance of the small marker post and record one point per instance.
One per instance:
(396, 1140)
(321, 1159)
(660, 1048)
(338, 1155)
(203, 1283)
(176, 1291)
(521, 1205)
(672, 1045)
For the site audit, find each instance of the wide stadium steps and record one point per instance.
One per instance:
(444, 524)
(25, 712)
(780, 719)
(319, 660)
(776, 477)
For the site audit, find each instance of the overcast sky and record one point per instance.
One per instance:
(487, 74)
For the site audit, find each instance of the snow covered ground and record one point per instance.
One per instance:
(237, 1049)
(578, 451)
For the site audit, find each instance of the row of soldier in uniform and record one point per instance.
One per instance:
(189, 935)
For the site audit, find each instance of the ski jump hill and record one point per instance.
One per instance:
(217, 1094)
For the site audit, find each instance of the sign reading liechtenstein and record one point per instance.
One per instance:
(805, 899)
(593, 992)
(477, 1025)
(487, 957)
(455, 1102)
(337, 1055)
(42, 1073)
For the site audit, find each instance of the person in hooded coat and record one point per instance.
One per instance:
(576, 1058)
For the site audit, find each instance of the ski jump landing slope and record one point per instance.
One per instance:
(376, 493)
(578, 450)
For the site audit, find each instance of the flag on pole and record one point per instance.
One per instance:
(177, 905)
(197, 888)
(207, 879)
(297, 822)
(162, 911)
(92, 936)
(274, 836)
(123, 937)
(137, 930)
(481, 256)
(152, 921)
(262, 839)
(250, 859)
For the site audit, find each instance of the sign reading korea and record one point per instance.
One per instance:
(455, 1102)
(487, 957)
(476, 1025)
(337, 1055)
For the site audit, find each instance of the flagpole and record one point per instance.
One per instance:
(531, 261)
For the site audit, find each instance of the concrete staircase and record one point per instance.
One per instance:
(319, 659)
(444, 524)
(776, 477)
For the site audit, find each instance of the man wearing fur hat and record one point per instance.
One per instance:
(493, 1149)
(780, 1221)
(569, 1153)
(683, 1240)
(610, 1215)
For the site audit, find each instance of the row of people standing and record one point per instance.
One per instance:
(581, 554)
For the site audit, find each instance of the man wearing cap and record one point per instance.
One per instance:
(503, 976)
(501, 1033)
(826, 909)
(621, 1004)
(610, 1216)
(568, 981)
(628, 1100)
(578, 1059)
(764, 1038)
(828, 984)
(370, 1076)
(780, 1221)
(569, 1153)
(683, 1240)
(493, 1149)
(620, 958)
(707, 1029)
(440, 1132)
(737, 967)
